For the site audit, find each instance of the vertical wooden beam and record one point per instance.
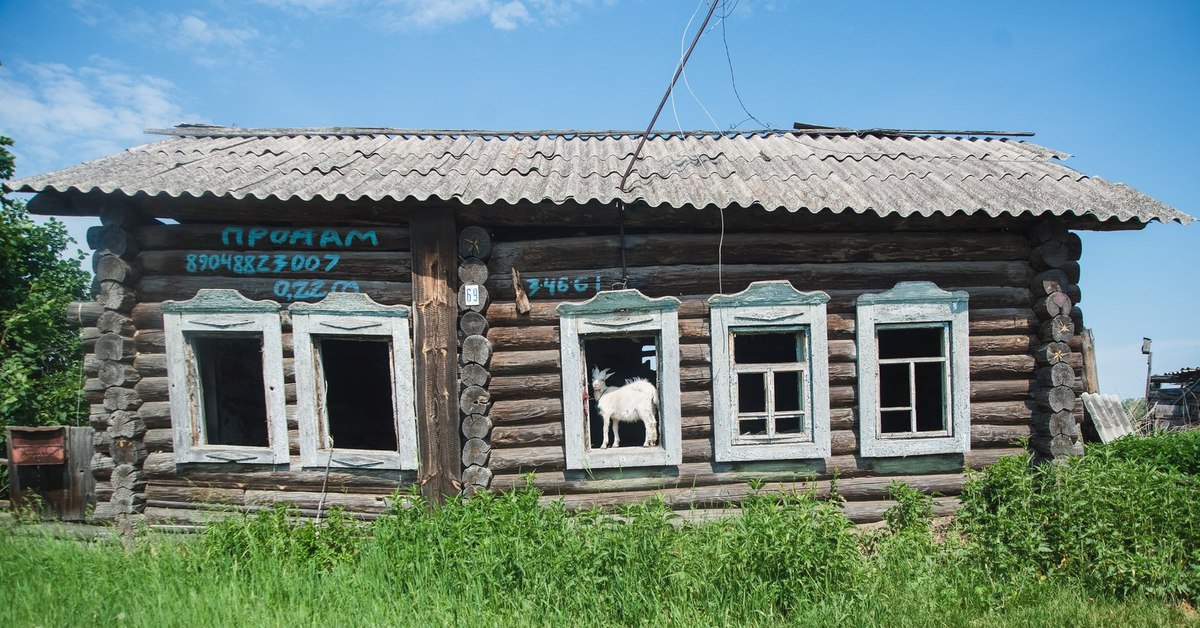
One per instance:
(435, 350)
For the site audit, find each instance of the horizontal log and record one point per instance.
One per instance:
(186, 236)
(1050, 254)
(115, 296)
(109, 267)
(115, 323)
(1052, 305)
(475, 241)
(733, 495)
(147, 316)
(537, 459)
(756, 248)
(1052, 353)
(706, 473)
(1057, 329)
(698, 279)
(84, 313)
(472, 270)
(1048, 282)
(113, 240)
(112, 373)
(1060, 374)
(114, 347)
(873, 511)
(160, 467)
(333, 264)
(472, 324)
(476, 476)
(1001, 390)
(998, 435)
(1055, 399)
(1002, 412)
(163, 287)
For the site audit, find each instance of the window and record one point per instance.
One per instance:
(770, 374)
(621, 339)
(913, 385)
(354, 383)
(225, 367)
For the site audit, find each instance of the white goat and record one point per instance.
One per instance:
(637, 400)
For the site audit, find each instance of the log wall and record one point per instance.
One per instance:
(509, 402)
(127, 363)
(996, 268)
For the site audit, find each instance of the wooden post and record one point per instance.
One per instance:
(1091, 379)
(435, 346)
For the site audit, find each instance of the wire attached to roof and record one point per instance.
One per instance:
(662, 103)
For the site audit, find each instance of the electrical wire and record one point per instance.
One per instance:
(682, 40)
(732, 78)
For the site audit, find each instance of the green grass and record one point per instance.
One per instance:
(1097, 542)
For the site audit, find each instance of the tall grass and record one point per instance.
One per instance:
(1093, 542)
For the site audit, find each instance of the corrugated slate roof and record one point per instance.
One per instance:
(888, 174)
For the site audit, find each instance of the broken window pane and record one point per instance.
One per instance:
(752, 392)
(930, 402)
(911, 342)
(234, 399)
(787, 391)
(358, 393)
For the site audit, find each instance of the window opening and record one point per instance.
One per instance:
(607, 341)
(770, 363)
(624, 359)
(358, 393)
(770, 368)
(234, 398)
(913, 371)
(912, 379)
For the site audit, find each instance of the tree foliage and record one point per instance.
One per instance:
(40, 361)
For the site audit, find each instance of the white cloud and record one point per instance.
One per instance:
(195, 31)
(208, 42)
(509, 16)
(60, 116)
(434, 14)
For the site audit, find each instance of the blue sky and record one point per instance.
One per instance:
(1115, 84)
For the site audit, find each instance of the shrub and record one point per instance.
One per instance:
(279, 536)
(1116, 523)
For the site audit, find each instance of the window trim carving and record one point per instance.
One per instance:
(914, 304)
(609, 313)
(770, 307)
(211, 313)
(348, 315)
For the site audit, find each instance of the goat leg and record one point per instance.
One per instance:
(651, 423)
(604, 441)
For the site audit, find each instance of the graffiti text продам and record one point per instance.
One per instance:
(310, 238)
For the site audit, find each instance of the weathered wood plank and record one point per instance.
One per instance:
(435, 325)
(757, 248)
(160, 467)
(702, 278)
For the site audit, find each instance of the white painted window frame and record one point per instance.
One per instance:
(347, 315)
(615, 313)
(770, 307)
(210, 313)
(914, 304)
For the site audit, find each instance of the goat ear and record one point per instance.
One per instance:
(606, 374)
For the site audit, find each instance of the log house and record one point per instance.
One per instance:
(816, 309)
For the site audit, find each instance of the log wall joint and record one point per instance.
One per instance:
(1054, 294)
(475, 248)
